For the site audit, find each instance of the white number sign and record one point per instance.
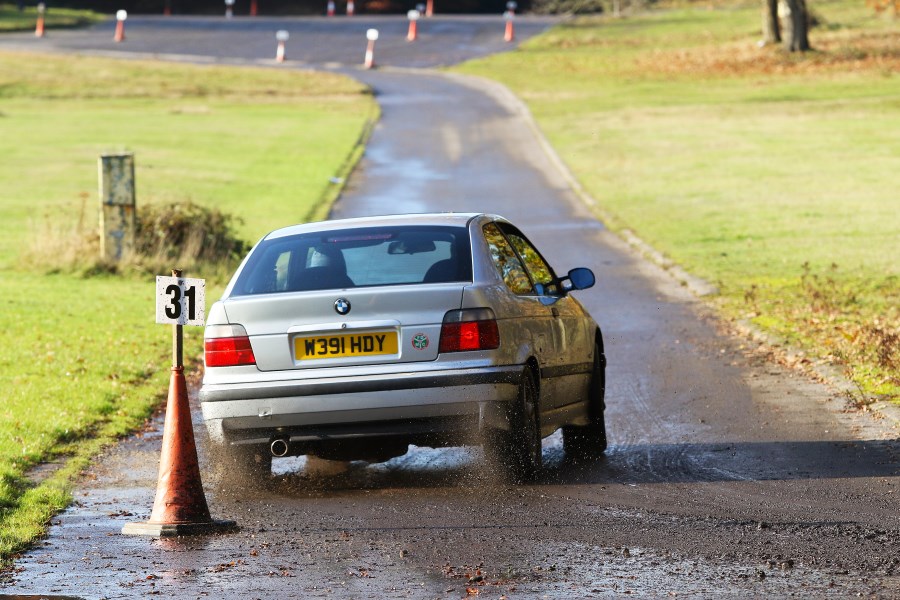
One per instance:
(180, 301)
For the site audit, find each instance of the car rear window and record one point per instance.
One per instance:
(355, 258)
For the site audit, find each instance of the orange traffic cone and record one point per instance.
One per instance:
(39, 27)
(369, 62)
(180, 507)
(120, 31)
(509, 35)
(254, 9)
(351, 8)
(412, 34)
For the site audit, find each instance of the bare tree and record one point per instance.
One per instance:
(798, 40)
(770, 24)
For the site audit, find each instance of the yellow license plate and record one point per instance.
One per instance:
(371, 343)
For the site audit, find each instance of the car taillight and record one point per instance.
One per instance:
(227, 346)
(469, 329)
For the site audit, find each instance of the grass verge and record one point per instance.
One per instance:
(81, 359)
(769, 174)
(12, 19)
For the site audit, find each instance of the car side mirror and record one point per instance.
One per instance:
(578, 279)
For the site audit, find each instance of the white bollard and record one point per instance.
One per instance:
(121, 15)
(509, 35)
(281, 36)
(39, 26)
(413, 32)
(372, 36)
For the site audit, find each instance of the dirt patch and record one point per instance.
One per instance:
(834, 53)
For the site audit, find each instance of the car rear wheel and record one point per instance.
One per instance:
(519, 449)
(589, 441)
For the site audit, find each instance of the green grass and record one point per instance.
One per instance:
(13, 20)
(256, 143)
(81, 359)
(753, 168)
(81, 362)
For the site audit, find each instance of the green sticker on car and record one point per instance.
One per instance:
(420, 341)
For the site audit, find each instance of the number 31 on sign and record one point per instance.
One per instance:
(180, 301)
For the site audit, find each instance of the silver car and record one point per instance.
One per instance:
(352, 339)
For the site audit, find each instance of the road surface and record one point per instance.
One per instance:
(726, 474)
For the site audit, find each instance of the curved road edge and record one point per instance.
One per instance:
(641, 250)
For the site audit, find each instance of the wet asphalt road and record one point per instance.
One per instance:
(726, 475)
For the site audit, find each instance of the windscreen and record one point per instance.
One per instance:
(355, 258)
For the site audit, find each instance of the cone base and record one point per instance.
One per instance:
(179, 529)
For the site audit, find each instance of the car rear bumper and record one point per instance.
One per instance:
(425, 402)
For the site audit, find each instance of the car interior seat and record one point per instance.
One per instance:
(442, 271)
(327, 269)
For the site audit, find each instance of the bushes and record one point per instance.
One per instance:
(188, 234)
(180, 235)
(556, 7)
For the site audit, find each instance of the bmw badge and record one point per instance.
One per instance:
(342, 306)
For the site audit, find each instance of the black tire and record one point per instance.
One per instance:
(589, 441)
(519, 450)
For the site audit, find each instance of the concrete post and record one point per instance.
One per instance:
(117, 206)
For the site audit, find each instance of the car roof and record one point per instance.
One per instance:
(445, 218)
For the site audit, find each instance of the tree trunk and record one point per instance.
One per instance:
(798, 41)
(771, 26)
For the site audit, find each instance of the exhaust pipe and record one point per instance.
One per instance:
(279, 447)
